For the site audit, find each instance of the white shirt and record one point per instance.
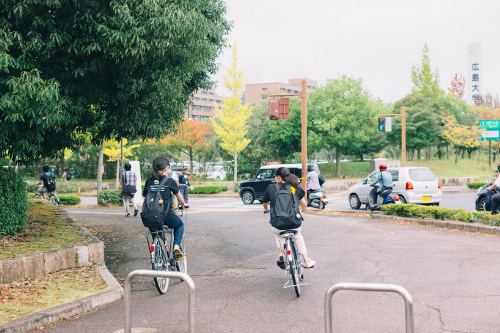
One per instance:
(497, 182)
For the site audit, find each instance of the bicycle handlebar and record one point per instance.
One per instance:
(266, 212)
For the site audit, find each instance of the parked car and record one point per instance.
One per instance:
(254, 189)
(217, 172)
(417, 185)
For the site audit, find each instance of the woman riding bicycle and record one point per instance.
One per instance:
(282, 176)
(161, 166)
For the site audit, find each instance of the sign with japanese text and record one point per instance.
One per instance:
(491, 129)
(474, 76)
(388, 124)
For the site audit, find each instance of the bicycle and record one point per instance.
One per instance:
(53, 199)
(162, 257)
(293, 266)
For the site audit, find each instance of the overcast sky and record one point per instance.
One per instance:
(376, 40)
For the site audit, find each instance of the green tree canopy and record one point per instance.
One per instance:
(121, 68)
(424, 81)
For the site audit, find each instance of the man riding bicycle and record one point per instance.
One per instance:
(48, 180)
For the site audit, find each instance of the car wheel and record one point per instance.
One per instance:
(482, 204)
(354, 201)
(402, 199)
(247, 198)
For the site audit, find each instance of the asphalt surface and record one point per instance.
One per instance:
(451, 275)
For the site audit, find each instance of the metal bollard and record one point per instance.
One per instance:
(150, 273)
(368, 287)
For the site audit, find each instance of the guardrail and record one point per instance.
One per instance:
(150, 273)
(368, 287)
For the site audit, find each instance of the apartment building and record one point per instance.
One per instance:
(202, 105)
(258, 92)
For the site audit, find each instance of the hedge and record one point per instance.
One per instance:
(440, 213)
(65, 199)
(13, 202)
(209, 189)
(110, 197)
(475, 185)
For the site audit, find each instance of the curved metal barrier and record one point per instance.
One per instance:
(176, 275)
(368, 287)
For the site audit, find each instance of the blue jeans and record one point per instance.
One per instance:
(178, 226)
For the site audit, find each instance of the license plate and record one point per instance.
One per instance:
(426, 199)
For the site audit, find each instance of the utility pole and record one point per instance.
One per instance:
(403, 132)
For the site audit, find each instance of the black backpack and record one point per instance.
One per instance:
(129, 189)
(68, 177)
(286, 213)
(49, 182)
(153, 213)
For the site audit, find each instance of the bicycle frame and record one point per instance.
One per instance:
(294, 256)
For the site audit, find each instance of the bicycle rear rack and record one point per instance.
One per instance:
(150, 273)
(369, 287)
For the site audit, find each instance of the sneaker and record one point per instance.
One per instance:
(178, 255)
(310, 264)
(281, 263)
(135, 212)
(128, 214)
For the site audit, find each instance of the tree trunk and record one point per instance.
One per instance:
(430, 153)
(419, 156)
(338, 156)
(447, 152)
(121, 155)
(100, 167)
(191, 160)
(62, 163)
(463, 154)
(117, 172)
(456, 155)
(478, 154)
(235, 166)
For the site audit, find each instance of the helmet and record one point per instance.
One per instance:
(382, 167)
(310, 167)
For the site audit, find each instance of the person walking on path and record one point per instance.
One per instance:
(65, 175)
(48, 180)
(129, 179)
(184, 184)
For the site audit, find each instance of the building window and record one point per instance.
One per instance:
(196, 98)
(211, 93)
(264, 96)
(313, 87)
(203, 92)
(203, 99)
(219, 101)
(289, 91)
(308, 87)
(282, 90)
(264, 89)
(206, 108)
(195, 107)
(210, 100)
(295, 91)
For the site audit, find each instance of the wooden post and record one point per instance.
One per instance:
(304, 136)
(403, 134)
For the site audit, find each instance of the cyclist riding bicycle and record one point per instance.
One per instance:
(161, 166)
(283, 177)
(48, 181)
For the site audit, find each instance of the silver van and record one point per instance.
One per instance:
(413, 185)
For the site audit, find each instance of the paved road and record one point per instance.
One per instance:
(452, 276)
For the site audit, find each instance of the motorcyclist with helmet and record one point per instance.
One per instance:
(313, 183)
(385, 180)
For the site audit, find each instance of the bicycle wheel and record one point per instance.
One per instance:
(37, 196)
(54, 200)
(159, 263)
(294, 270)
(181, 265)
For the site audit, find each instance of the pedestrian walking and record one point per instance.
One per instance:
(129, 180)
(184, 184)
(66, 176)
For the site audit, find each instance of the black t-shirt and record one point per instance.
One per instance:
(271, 194)
(167, 190)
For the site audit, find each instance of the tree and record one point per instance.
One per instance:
(460, 135)
(231, 120)
(113, 150)
(191, 138)
(457, 86)
(341, 112)
(424, 81)
(121, 68)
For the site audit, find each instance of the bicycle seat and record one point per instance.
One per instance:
(288, 232)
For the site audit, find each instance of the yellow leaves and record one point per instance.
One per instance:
(112, 149)
(460, 135)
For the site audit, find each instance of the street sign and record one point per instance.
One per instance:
(388, 124)
(491, 130)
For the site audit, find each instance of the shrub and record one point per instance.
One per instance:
(237, 187)
(110, 198)
(13, 202)
(438, 213)
(209, 189)
(65, 199)
(475, 185)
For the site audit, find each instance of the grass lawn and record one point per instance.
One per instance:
(45, 232)
(445, 168)
(24, 297)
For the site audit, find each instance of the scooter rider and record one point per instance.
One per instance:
(312, 180)
(385, 180)
(495, 199)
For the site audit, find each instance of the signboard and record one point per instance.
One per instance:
(388, 124)
(491, 129)
(474, 71)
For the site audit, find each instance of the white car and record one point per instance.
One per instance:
(416, 185)
(217, 172)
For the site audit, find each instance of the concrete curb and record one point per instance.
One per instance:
(55, 314)
(471, 227)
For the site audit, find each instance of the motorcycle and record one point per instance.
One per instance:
(317, 199)
(481, 194)
(386, 196)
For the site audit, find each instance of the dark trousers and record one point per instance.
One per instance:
(184, 193)
(375, 197)
(495, 202)
(178, 226)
